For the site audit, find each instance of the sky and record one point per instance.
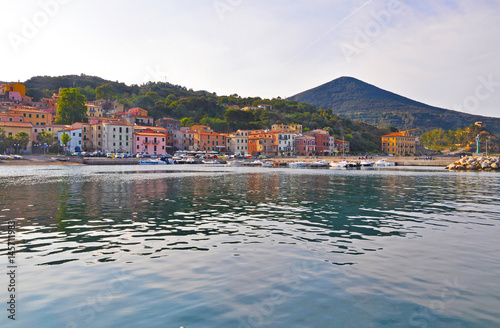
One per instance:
(442, 53)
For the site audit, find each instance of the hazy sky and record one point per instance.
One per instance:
(443, 53)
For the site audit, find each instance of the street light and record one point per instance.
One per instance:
(17, 146)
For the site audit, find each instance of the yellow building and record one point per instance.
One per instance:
(15, 87)
(292, 128)
(34, 116)
(94, 111)
(13, 128)
(399, 143)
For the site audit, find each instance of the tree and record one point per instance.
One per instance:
(187, 121)
(45, 138)
(65, 139)
(3, 141)
(71, 107)
(23, 139)
(105, 91)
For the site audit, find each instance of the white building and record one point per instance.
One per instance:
(286, 142)
(238, 142)
(332, 145)
(75, 143)
(184, 139)
(117, 137)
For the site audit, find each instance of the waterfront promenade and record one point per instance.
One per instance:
(73, 160)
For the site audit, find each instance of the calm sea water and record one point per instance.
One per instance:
(200, 246)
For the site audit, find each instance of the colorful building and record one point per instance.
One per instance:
(285, 142)
(293, 128)
(75, 142)
(34, 116)
(9, 117)
(94, 111)
(399, 143)
(305, 145)
(238, 142)
(117, 137)
(184, 139)
(15, 87)
(137, 116)
(262, 143)
(322, 139)
(170, 124)
(149, 141)
(209, 141)
(342, 146)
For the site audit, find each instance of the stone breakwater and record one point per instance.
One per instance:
(487, 163)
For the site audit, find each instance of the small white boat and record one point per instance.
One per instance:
(4, 157)
(18, 157)
(383, 163)
(298, 164)
(152, 162)
(366, 163)
(235, 163)
(267, 164)
(253, 163)
(320, 163)
(341, 164)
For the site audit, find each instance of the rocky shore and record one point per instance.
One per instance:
(479, 163)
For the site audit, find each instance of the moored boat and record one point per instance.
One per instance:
(341, 164)
(297, 164)
(383, 163)
(320, 163)
(152, 162)
(366, 163)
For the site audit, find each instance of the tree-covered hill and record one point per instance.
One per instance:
(202, 107)
(349, 97)
(440, 139)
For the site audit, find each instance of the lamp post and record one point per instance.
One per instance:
(17, 147)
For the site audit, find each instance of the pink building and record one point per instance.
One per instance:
(15, 96)
(6, 117)
(305, 145)
(151, 142)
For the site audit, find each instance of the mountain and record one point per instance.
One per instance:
(355, 99)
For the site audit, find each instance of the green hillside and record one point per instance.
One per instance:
(202, 107)
(349, 97)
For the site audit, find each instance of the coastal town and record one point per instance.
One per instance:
(110, 128)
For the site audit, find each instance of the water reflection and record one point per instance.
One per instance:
(376, 244)
(336, 210)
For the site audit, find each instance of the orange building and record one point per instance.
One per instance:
(262, 143)
(34, 116)
(15, 87)
(209, 141)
